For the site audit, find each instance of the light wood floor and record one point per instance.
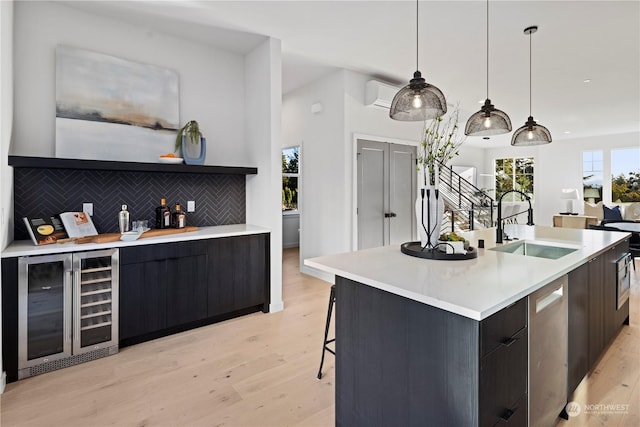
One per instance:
(258, 370)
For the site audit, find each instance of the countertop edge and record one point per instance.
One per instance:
(460, 309)
(27, 248)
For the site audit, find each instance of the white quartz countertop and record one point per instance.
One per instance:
(26, 247)
(475, 288)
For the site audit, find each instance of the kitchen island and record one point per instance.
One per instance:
(426, 342)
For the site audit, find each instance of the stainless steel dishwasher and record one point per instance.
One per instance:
(548, 353)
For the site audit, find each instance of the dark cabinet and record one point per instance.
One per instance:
(595, 324)
(503, 366)
(594, 319)
(238, 273)
(402, 362)
(578, 331)
(162, 286)
(143, 297)
(170, 287)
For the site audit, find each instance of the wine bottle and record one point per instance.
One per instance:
(163, 215)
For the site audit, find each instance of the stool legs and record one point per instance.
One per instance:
(332, 300)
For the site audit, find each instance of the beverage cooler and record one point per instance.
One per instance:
(67, 310)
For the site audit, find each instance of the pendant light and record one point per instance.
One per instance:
(418, 101)
(489, 120)
(531, 133)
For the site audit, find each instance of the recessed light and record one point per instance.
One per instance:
(567, 132)
(586, 81)
(481, 101)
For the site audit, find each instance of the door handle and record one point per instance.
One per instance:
(390, 215)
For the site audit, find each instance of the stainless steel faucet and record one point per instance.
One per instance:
(499, 229)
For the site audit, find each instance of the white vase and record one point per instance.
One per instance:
(430, 210)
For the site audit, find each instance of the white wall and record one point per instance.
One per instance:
(263, 84)
(323, 182)
(6, 119)
(235, 98)
(559, 165)
(211, 79)
(328, 161)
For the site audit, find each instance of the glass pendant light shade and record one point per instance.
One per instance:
(418, 101)
(531, 134)
(488, 121)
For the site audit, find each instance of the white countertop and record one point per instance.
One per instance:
(26, 247)
(475, 288)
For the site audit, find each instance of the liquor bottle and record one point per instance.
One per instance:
(163, 215)
(178, 218)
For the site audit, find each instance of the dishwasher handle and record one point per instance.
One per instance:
(546, 300)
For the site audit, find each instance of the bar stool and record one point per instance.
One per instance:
(332, 301)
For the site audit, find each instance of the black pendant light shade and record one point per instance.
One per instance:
(489, 120)
(418, 101)
(531, 133)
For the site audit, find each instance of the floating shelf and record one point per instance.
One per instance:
(55, 163)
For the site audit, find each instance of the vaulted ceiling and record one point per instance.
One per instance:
(586, 54)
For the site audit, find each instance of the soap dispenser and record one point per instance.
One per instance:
(123, 219)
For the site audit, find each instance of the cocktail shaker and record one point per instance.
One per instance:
(123, 219)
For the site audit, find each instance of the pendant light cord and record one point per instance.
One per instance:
(487, 49)
(530, 33)
(417, 27)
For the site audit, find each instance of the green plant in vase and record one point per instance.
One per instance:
(440, 143)
(190, 133)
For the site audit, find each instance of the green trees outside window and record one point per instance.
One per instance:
(290, 175)
(625, 175)
(514, 173)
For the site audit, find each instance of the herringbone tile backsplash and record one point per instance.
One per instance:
(220, 199)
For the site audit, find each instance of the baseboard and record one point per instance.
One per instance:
(322, 275)
(3, 381)
(276, 306)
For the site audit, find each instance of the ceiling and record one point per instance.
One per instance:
(577, 41)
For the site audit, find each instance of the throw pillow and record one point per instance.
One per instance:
(594, 210)
(612, 213)
(632, 211)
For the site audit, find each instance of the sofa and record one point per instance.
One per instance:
(629, 211)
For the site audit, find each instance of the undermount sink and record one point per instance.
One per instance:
(536, 249)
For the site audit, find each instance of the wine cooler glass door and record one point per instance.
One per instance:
(95, 300)
(44, 299)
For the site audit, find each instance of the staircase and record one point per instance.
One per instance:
(466, 206)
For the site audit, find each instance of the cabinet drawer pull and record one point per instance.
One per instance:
(46, 288)
(507, 342)
(508, 413)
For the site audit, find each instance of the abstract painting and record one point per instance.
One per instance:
(109, 108)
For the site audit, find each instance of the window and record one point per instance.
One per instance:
(290, 175)
(625, 175)
(514, 174)
(592, 175)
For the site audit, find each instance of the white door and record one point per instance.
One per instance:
(386, 193)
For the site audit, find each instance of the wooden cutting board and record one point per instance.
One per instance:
(114, 237)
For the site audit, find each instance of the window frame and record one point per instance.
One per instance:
(296, 175)
(513, 197)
